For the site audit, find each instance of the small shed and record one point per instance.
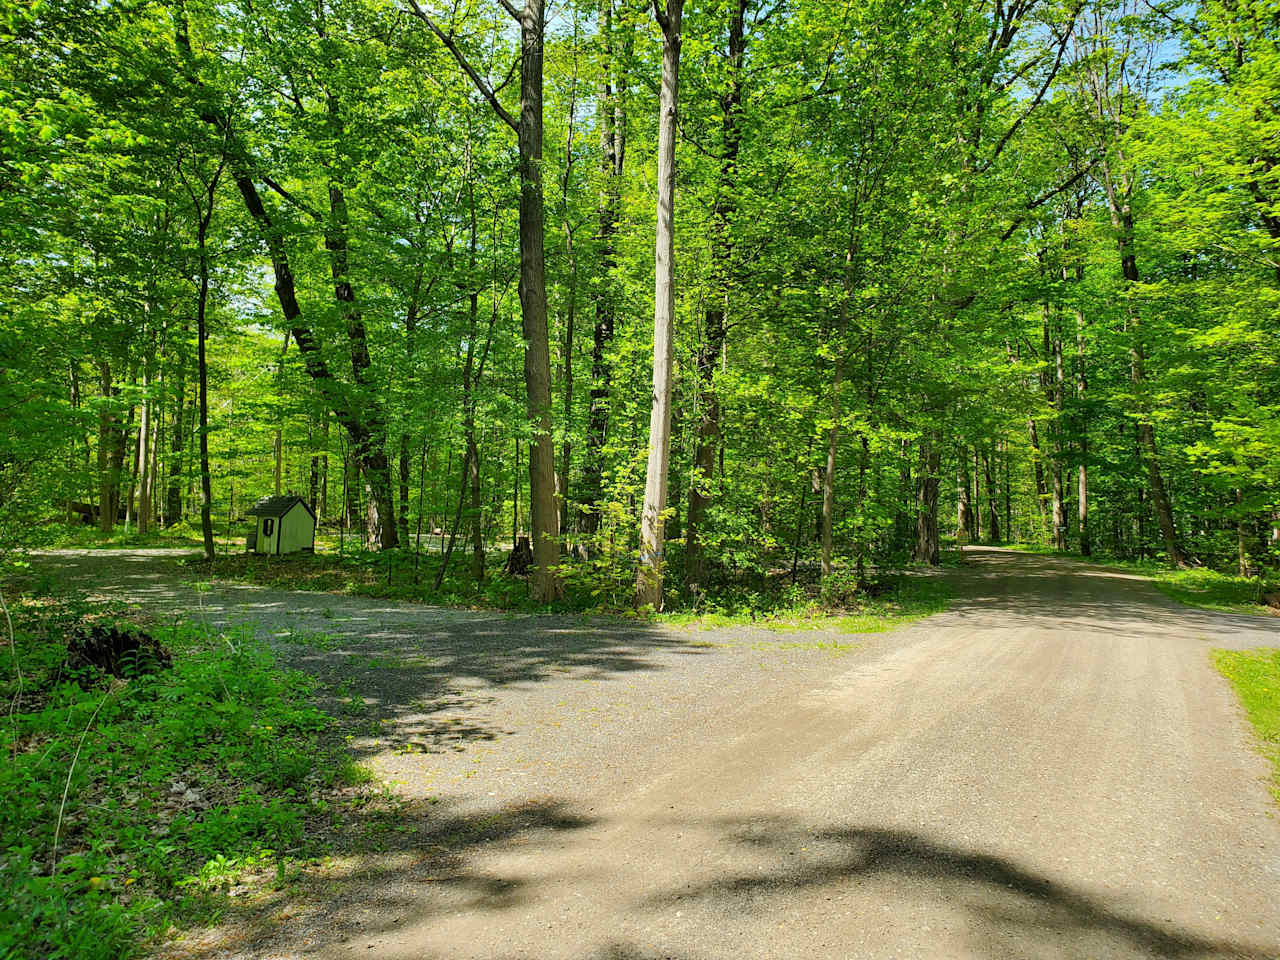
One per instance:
(281, 525)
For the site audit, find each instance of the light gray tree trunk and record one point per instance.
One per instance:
(650, 572)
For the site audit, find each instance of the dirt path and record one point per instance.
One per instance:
(1051, 769)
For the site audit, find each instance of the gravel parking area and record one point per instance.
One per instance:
(1049, 769)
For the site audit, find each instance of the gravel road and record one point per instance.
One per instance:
(1050, 769)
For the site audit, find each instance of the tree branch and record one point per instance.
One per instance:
(470, 71)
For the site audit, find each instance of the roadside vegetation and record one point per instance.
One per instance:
(751, 595)
(1255, 674)
(137, 798)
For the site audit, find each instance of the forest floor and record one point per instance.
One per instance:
(1051, 768)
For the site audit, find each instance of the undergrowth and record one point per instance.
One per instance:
(603, 588)
(129, 805)
(1255, 674)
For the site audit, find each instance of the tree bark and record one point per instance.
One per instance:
(650, 573)
(964, 508)
(1059, 505)
(722, 210)
(928, 546)
(613, 138)
(1037, 462)
(1082, 492)
(177, 440)
(202, 334)
(993, 515)
(1118, 191)
(544, 583)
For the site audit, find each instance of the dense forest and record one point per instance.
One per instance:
(682, 293)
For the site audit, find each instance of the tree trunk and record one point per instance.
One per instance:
(977, 494)
(1242, 540)
(206, 487)
(544, 584)
(405, 467)
(108, 478)
(928, 547)
(1118, 193)
(613, 137)
(650, 573)
(323, 510)
(722, 211)
(1082, 492)
(1037, 462)
(177, 442)
(829, 474)
(993, 516)
(1059, 490)
(350, 488)
(964, 508)
(566, 446)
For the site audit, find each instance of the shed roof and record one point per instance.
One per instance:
(277, 506)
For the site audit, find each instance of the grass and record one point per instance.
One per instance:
(1255, 674)
(80, 536)
(902, 600)
(1211, 590)
(131, 805)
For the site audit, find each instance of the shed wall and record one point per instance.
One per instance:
(296, 530)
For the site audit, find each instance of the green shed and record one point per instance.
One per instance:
(281, 525)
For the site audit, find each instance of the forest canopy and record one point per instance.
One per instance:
(682, 293)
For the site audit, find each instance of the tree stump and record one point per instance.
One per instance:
(521, 560)
(120, 652)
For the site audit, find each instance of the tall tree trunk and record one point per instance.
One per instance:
(469, 377)
(1037, 463)
(313, 485)
(202, 334)
(977, 494)
(177, 439)
(544, 583)
(650, 573)
(351, 488)
(1082, 492)
(1008, 491)
(964, 508)
(405, 465)
(829, 474)
(362, 416)
(993, 516)
(613, 138)
(1155, 480)
(1059, 491)
(1242, 539)
(566, 446)
(928, 546)
(722, 211)
(108, 476)
(277, 454)
(323, 510)
(1118, 192)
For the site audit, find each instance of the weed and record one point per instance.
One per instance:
(1255, 674)
(126, 803)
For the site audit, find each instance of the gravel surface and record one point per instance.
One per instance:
(1050, 769)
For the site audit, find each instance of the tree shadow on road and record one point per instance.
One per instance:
(1015, 911)
(391, 879)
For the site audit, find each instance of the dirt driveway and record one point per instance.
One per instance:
(1051, 769)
